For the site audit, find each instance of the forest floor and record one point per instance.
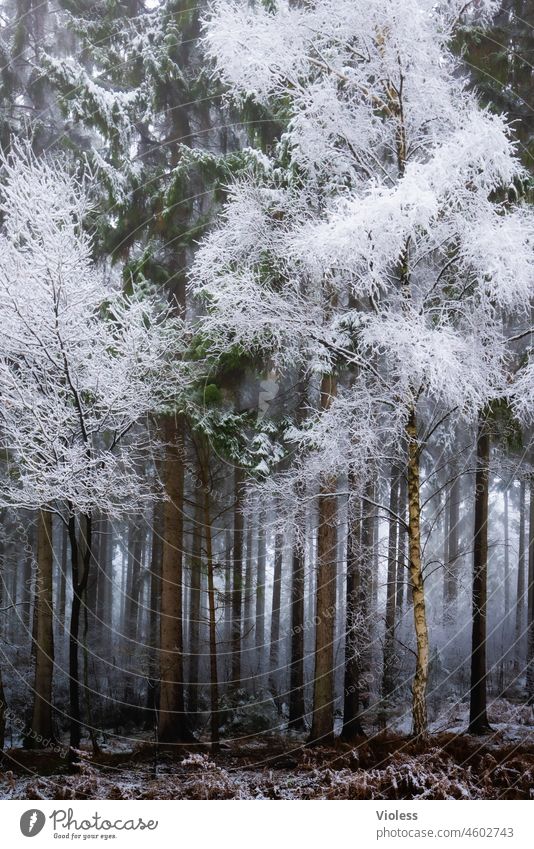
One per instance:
(451, 765)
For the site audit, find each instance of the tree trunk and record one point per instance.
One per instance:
(520, 599)
(274, 654)
(530, 600)
(259, 624)
(172, 725)
(3, 709)
(297, 708)
(388, 674)
(419, 712)
(194, 612)
(153, 616)
(80, 575)
(237, 581)
(478, 720)
(352, 724)
(248, 619)
(41, 727)
(322, 730)
(214, 683)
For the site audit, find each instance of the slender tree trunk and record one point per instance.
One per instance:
(259, 626)
(41, 727)
(248, 618)
(274, 654)
(80, 575)
(237, 581)
(194, 612)
(297, 708)
(357, 537)
(153, 616)
(227, 632)
(172, 725)
(520, 599)
(388, 675)
(530, 600)
(214, 683)
(419, 712)
(3, 709)
(478, 719)
(322, 730)
(63, 576)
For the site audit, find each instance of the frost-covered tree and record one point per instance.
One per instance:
(82, 368)
(378, 239)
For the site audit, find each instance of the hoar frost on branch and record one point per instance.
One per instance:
(82, 365)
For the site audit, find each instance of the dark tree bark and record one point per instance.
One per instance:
(237, 580)
(297, 708)
(357, 537)
(172, 723)
(274, 654)
(248, 616)
(322, 730)
(80, 563)
(3, 709)
(194, 610)
(478, 719)
(42, 732)
(214, 680)
(259, 624)
(530, 601)
(153, 616)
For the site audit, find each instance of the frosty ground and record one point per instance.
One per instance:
(387, 765)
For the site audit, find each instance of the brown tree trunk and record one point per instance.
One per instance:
(259, 624)
(153, 616)
(80, 575)
(41, 726)
(248, 618)
(419, 712)
(194, 612)
(3, 710)
(237, 581)
(274, 653)
(357, 537)
(172, 724)
(297, 708)
(214, 683)
(322, 730)
(530, 601)
(478, 719)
